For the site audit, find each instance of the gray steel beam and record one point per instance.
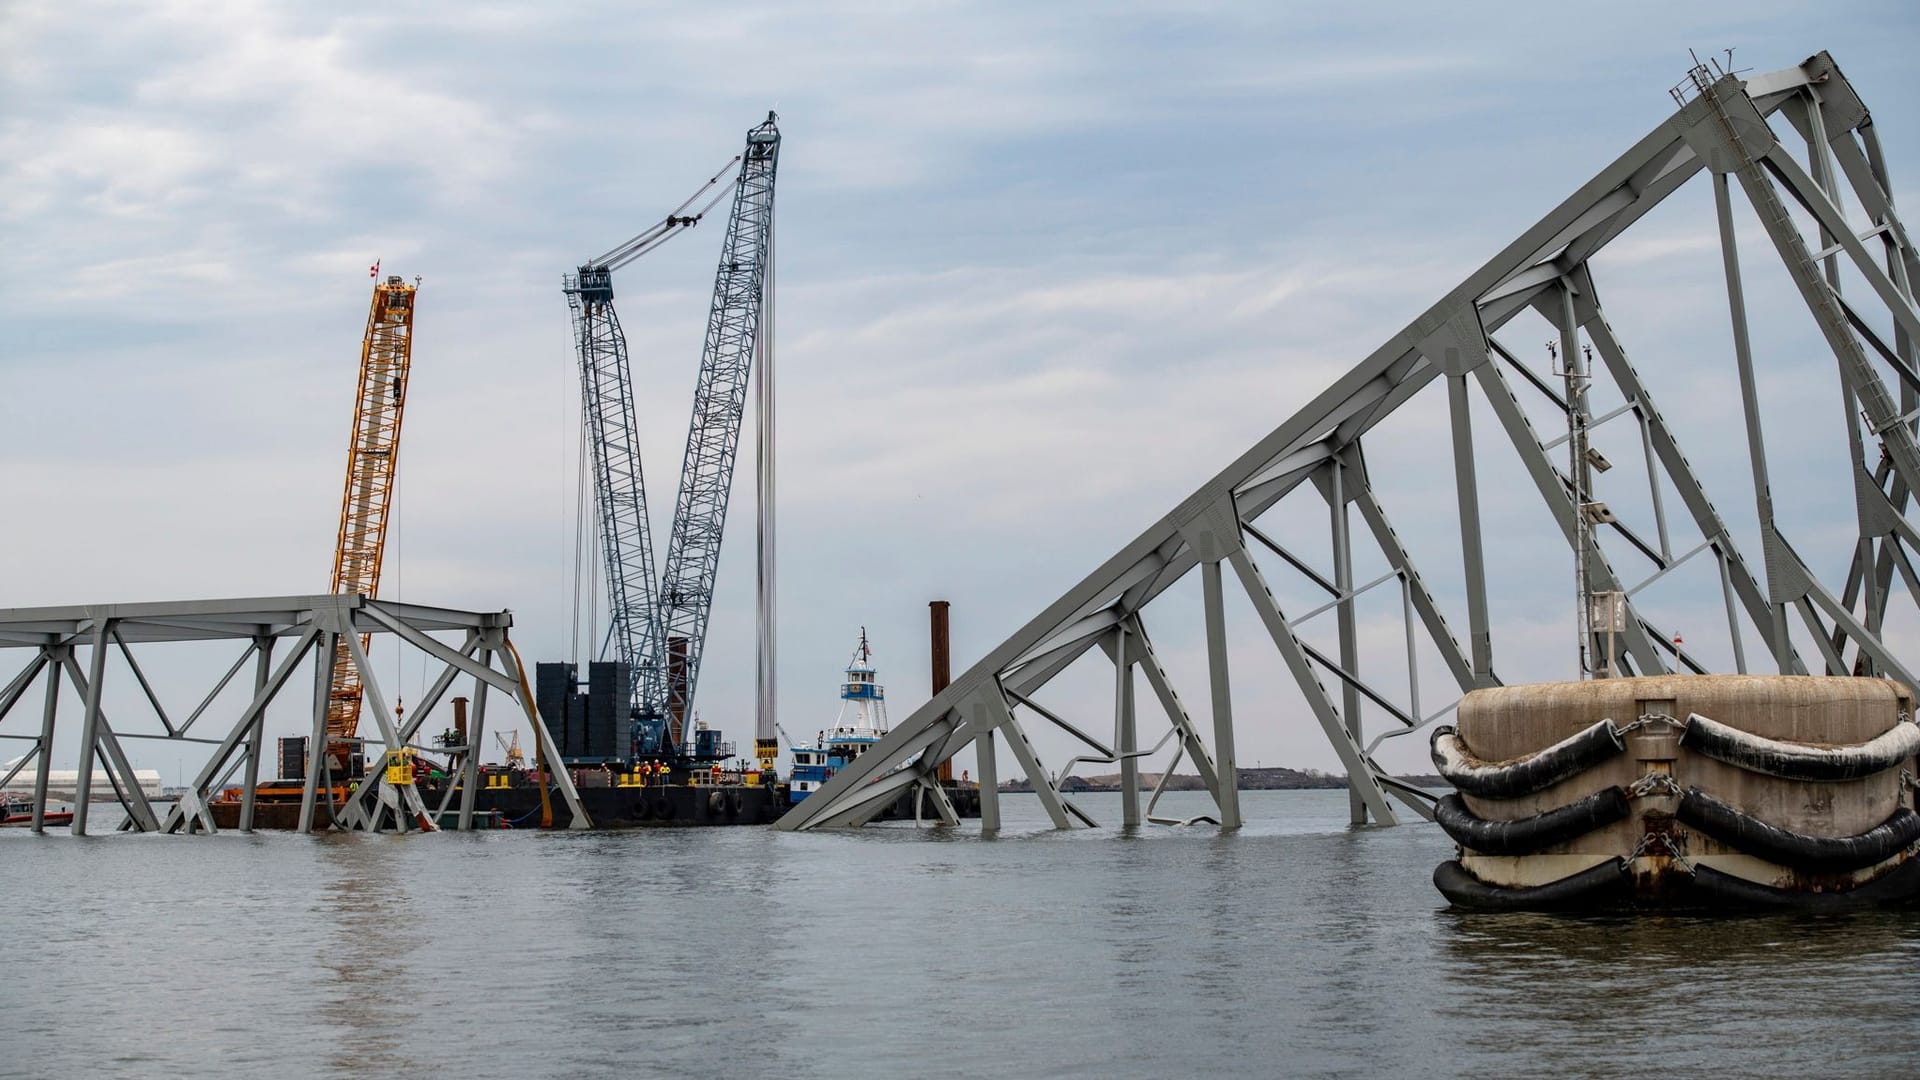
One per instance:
(1869, 643)
(931, 791)
(1360, 775)
(89, 729)
(243, 726)
(441, 684)
(202, 620)
(1472, 552)
(140, 677)
(476, 742)
(323, 664)
(139, 812)
(21, 680)
(1350, 681)
(1738, 132)
(1106, 752)
(1221, 693)
(1779, 643)
(1335, 491)
(1292, 560)
(53, 659)
(18, 765)
(859, 807)
(375, 697)
(1465, 672)
(1037, 778)
(1904, 262)
(361, 804)
(1693, 493)
(1125, 734)
(986, 760)
(1733, 616)
(1553, 492)
(446, 654)
(262, 669)
(1808, 193)
(1177, 714)
(218, 687)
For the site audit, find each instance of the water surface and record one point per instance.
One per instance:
(1296, 947)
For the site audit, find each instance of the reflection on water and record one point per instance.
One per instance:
(366, 992)
(1684, 993)
(1297, 947)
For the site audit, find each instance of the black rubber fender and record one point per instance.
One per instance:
(1523, 775)
(1901, 885)
(1527, 835)
(1801, 761)
(1799, 851)
(642, 811)
(1597, 887)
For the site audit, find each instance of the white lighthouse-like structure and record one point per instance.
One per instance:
(862, 697)
(862, 723)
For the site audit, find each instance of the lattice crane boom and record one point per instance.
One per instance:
(373, 456)
(613, 436)
(606, 388)
(713, 437)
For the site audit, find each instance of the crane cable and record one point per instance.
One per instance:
(660, 234)
(399, 593)
(580, 483)
(661, 231)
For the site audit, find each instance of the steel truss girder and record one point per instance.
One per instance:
(313, 626)
(1546, 268)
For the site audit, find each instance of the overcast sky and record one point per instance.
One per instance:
(1043, 269)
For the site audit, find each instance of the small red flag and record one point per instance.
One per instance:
(374, 270)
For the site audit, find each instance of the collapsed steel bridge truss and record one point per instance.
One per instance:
(1721, 134)
(60, 638)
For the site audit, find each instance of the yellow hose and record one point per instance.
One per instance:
(539, 745)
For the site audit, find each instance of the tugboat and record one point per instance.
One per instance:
(862, 696)
(16, 811)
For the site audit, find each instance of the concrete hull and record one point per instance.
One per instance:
(1663, 857)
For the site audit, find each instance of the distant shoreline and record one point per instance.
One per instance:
(1251, 779)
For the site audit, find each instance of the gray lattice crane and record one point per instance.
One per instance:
(659, 628)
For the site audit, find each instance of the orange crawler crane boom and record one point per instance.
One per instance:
(372, 459)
